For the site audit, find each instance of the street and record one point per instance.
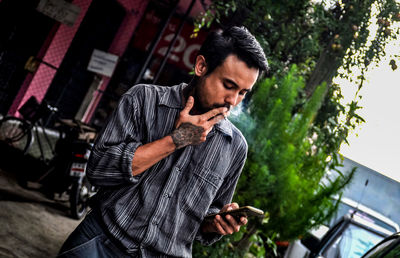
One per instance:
(31, 225)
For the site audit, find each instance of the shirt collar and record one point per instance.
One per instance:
(173, 98)
(225, 127)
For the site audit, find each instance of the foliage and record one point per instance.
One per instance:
(283, 168)
(299, 32)
(286, 161)
(294, 122)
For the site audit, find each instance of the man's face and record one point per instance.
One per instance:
(226, 86)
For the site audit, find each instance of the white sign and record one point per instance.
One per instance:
(59, 10)
(102, 63)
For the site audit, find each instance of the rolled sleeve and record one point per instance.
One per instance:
(110, 162)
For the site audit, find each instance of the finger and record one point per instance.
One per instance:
(243, 221)
(189, 105)
(214, 112)
(232, 221)
(225, 225)
(225, 208)
(218, 225)
(234, 205)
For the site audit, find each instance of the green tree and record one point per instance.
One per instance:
(318, 36)
(292, 122)
(284, 167)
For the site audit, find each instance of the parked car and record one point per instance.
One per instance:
(357, 230)
(349, 206)
(387, 248)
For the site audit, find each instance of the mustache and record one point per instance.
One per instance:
(222, 105)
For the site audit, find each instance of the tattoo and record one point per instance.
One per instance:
(187, 134)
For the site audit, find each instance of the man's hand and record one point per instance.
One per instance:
(193, 130)
(227, 225)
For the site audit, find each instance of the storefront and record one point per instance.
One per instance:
(141, 65)
(82, 55)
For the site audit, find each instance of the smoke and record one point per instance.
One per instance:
(241, 118)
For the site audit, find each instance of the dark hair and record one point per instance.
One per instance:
(235, 40)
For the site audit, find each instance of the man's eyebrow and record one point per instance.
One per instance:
(234, 84)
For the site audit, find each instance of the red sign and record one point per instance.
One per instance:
(184, 51)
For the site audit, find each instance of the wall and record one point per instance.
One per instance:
(135, 10)
(38, 84)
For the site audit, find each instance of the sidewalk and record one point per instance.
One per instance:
(30, 224)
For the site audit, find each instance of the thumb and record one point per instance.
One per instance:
(233, 206)
(189, 105)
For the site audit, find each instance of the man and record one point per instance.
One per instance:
(168, 157)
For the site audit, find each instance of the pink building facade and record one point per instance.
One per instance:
(50, 58)
(57, 44)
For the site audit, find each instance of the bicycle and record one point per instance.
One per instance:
(21, 133)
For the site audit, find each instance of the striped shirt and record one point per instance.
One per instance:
(159, 212)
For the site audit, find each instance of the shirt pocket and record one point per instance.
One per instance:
(199, 192)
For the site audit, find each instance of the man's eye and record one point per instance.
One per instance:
(242, 93)
(227, 86)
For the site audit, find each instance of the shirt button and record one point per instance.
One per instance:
(155, 222)
(167, 195)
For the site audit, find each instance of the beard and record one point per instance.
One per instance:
(199, 99)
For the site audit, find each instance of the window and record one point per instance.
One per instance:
(354, 242)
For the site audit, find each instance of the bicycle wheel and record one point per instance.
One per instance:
(16, 133)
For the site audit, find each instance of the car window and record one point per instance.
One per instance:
(353, 243)
(347, 209)
(379, 250)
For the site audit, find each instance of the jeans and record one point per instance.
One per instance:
(89, 240)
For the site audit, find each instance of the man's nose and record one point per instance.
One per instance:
(232, 99)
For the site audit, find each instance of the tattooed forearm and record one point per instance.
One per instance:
(187, 134)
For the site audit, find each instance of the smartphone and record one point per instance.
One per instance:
(245, 211)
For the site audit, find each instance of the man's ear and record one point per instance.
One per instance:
(200, 67)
